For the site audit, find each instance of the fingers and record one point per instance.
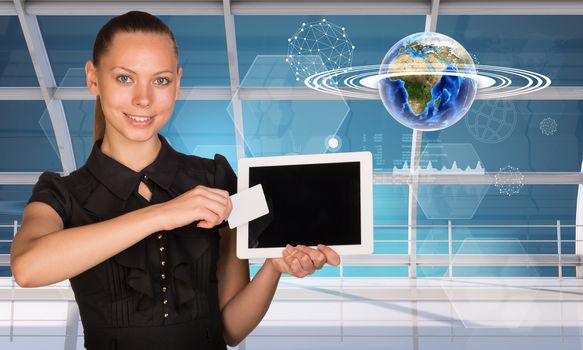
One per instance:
(299, 262)
(214, 200)
(305, 260)
(332, 257)
(207, 218)
(318, 258)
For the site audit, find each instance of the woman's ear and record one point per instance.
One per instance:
(91, 78)
(178, 76)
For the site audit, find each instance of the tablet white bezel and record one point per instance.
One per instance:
(366, 199)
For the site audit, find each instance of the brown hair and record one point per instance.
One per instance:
(131, 22)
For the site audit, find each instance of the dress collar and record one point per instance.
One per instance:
(121, 180)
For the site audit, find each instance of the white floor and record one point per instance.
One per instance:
(354, 314)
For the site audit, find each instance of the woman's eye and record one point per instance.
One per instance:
(124, 79)
(162, 81)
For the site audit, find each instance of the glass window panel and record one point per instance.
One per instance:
(506, 271)
(521, 224)
(372, 36)
(202, 128)
(375, 271)
(551, 45)
(13, 199)
(432, 271)
(27, 140)
(275, 127)
(390, 208)
(390, 219)
(369, 127)
(538, 136)
(16, 67)
(326, 271)
(5, 271)
(201, 43)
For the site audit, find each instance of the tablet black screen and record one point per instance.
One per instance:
(308, 204)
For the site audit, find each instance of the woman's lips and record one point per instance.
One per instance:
(139, 120)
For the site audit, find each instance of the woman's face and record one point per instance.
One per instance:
(138, 82)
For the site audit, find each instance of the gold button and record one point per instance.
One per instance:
(163, 276)
(162, 248)
(165, 302)
(164, 289)
(163, 263)
(159, 236)
(165, 315)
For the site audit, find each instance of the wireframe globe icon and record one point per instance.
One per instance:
(428, 81)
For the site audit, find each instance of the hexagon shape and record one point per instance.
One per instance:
(279, 127)
(450, 201)
(491, 303)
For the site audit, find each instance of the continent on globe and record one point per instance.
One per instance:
(428, 81)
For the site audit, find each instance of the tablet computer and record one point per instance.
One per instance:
(312, 199)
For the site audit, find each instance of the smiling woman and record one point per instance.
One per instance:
(132, 85)
(139, 229)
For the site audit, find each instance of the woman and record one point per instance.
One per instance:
(139, 229)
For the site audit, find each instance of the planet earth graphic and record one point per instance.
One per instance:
(438, 82)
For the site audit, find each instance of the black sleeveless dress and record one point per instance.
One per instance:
(160, 293)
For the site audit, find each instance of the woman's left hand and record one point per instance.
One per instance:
(301, 261)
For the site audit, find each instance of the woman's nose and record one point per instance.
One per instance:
(142, 96)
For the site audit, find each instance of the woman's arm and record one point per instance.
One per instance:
(244, 304)
(44, 253)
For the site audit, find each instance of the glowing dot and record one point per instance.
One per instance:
(287, 59)
(289, 39)
(333, 142)
(323, 19)
(353, 46)
(303, 24)
(295, 37)
(344, 35)
(298, 79)
(342, 28)
(301, 30)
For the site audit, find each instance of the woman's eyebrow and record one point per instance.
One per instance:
(131, 71)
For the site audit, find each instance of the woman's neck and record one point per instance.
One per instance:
(136, 155)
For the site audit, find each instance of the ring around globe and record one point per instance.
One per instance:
(437, 85)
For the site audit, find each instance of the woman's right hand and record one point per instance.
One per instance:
(208, 206)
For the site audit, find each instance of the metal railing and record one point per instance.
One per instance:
(450, 258)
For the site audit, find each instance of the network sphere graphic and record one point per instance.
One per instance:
(317, 47)
(430, 81)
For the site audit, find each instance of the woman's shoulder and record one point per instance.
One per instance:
(203, 164)
(77, 178)
(217, 168)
